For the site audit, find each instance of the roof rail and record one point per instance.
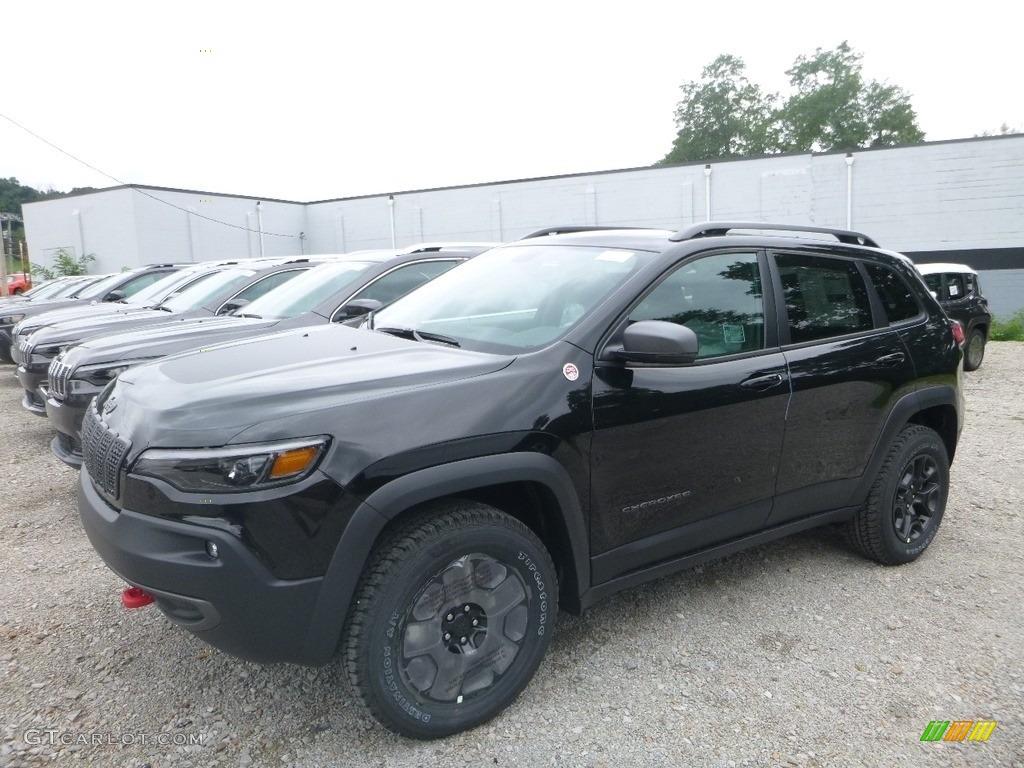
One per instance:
(569, 230)
(719, 228)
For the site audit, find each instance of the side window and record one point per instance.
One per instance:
(718, 297)
(896, 296)
(955, 286)
(399, 282)
(134, 286)
(934, 283)
(824, 297)
(267, 284)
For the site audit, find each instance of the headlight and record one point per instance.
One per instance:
(100, 375)
(43, 354)
(12, 319)
(234, 468)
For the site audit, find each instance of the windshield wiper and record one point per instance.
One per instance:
(249, 314)
(412, 333)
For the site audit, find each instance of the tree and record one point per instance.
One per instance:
(723, 115)
(833, 108)
(1004, 130)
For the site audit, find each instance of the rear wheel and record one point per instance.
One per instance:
(906, 503)
(450, 620)
(974, 350)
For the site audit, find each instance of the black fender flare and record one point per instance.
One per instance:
(902, 413)
(387, 502)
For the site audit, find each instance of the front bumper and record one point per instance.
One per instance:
(5, 345)
(66, 417)
(34, 384)
(232, 602)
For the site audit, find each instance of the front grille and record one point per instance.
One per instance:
(24, 345)
(103, 452)
(58, 375)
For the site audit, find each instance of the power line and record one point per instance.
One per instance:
(134, 188)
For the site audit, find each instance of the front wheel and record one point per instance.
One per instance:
(974, 350)
(450, 620)
(906, 501)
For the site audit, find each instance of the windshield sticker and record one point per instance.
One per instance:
(734, 334)
(616, 256)
(570, 371)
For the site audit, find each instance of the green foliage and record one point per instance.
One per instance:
(723, 115)
(1004, 130)
(831, 108)
(1010, 330)
(65, 264)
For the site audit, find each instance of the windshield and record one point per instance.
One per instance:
(51, 288)
(160, 289)
(76, 289)
(302, 293)
(206, 288)
(103, 287)
(515, 298)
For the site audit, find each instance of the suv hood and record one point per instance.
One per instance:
(75, 313)
(75, 330)
(167, 338)
(209, 396)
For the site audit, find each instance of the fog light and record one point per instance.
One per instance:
(212, 550)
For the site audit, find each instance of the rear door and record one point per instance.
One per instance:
(847, 366)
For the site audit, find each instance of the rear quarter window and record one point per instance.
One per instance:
(896, 297)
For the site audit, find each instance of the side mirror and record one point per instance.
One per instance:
(660, 342)
(115, 295)
(229, 308)
(357, 308)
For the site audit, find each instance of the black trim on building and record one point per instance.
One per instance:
(978, 258)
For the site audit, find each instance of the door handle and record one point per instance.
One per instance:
(890, 360)
(761, 383)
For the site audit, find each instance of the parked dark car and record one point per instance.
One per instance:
(958, 290)
(204, 291)
(323, 295)
(112, 288)
(558, 419)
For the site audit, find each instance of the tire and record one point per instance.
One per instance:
(974, 350)
(906, 502)
(18, 291)
(450, 620)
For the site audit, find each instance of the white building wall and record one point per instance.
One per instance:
(100, 223)
(942, 196)
(128, 227)
(192, 226)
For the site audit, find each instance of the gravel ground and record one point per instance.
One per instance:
(797, 653)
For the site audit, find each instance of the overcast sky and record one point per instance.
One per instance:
(311, 100)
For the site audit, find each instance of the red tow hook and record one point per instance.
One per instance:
(134, 597)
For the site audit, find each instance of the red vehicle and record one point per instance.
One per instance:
(18, 283)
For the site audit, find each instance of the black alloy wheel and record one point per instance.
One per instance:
(450, 619)
(906, 502)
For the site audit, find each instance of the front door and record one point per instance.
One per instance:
(684, 456)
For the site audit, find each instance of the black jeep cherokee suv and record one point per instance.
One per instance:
(559, 418)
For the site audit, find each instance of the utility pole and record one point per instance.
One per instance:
(8, 217)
